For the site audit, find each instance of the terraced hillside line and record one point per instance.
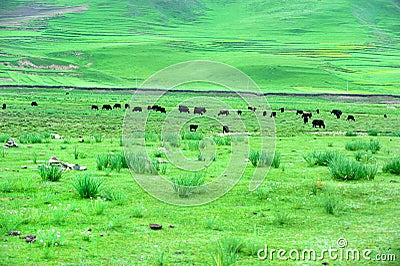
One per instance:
(348, 95)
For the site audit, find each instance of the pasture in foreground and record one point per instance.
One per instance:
(303, 202)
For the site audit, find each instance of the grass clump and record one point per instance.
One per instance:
(350, 134)
(356, 145)
(50, 172)
(222, 141)
(171, 138)
(97, 138)
(264, 159)
(226, 251)
(374, 146)
(4, 138)
(140, 163)
(392, 167)
(32, 138)
(331, 201)
(192, 136)
(111, 161)
(373, 132)
(320, 158)
(188, 184)
(344, 169)
(87, 186)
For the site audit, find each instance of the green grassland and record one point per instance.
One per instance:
(298, 206)
(307, 46)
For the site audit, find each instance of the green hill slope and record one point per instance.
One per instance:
(290, 46)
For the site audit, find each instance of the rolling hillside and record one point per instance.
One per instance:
(286, 46)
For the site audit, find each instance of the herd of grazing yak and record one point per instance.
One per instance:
(225, 129)
(202, 110)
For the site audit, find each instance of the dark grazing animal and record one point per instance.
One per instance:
(282, 110)
(183, 109)
(239, 112)
(317, 111)
(155, 107)
(319, 123)
(299, 112)
(385, 115)
(273, 114)
(95, 107)
(161, 110)
(34, 104)
(137, 109)
(199, 110)
(225, 129)
(193, 128)
(305, 119)
(223, 112)
(264, 113)
(351, 117)
(336, 112)
(4, 106)
(117, 105)
(252, 108)
(149, 107)
(306, 114)
(127, 106)
(106, 107)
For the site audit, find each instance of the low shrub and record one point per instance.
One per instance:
(50, 172)
(87, 186)
(344, 169)
(374, 146)
(392, 167)
(331, 201)
(97, 138)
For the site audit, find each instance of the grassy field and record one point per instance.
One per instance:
(300, 205)
(308, 46)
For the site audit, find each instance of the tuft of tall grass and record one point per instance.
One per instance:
(373, 132)
(171, 138)
(115, 161)
(374, 146)
(87, 186)
(222, 141)
(188, 184)
(4, 138)
(50, 172)
(320, 158)
(192, 136)
(226, 251)
(98, 138)
(140, 163)
(344, 169)
(264, 159)
(350, 134)
(331, 201)
(32, 138)
(392, 166)
(356, 145)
